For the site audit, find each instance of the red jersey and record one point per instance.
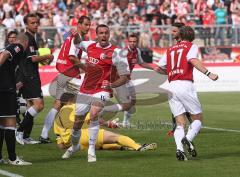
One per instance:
(103, 64)
(176, 60)
(133, 57)
(64, 65)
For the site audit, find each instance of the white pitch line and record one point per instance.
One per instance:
(6, 173)
(204, 127)
(221, 129)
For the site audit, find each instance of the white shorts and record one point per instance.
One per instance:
(126, 93)
(84, 101)
(183, 98)
(61, 85)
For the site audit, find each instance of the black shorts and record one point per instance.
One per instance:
(8, 104)
(32, 89)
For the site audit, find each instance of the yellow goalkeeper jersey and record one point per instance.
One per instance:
(63, 125)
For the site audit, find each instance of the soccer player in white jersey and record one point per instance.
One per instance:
(178, 63)
(104, 69)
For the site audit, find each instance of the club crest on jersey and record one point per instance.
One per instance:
(103, 56)
(17, 49)
(134, 60)
(93, 60)
(31, 49)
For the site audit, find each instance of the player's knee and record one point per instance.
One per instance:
(126, 106)
(197, 117)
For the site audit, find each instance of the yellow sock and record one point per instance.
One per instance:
(111, 147)
(128, 142)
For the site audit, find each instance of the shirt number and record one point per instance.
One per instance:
(179, 57)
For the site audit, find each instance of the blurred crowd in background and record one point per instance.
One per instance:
(216, 22)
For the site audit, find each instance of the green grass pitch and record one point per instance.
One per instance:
(218, 151)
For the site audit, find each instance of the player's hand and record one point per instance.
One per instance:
(114, 123)
(212, 76)
(106, 85)
(50, 57)
(156, 69)
(19, 85)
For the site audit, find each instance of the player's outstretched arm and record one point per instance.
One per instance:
(199, 66)
(160, 70)
(47, 58)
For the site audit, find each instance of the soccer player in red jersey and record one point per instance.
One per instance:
(126, 93)
(178, 63)
(104, 69)
(69, 56)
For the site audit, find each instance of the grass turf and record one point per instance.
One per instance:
(218, 151)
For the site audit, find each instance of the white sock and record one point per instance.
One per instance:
(32, 111)
(126, 117)
(113, 108)
(93, 134)
(178, 136)
(193, 129)
(48, 122)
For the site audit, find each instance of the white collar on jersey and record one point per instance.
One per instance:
(98, 45)
(130, 48)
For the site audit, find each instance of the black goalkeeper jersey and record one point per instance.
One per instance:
(7, 70)
(30, 67)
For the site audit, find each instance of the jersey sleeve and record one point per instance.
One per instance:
(121, 62)
(140, 60)
(84, 45)
(73, 51)
(193, 52)
(14, 50)
(163, 61)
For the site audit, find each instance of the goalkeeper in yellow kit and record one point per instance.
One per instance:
(106, 140)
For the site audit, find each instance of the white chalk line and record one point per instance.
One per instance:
(6, 173)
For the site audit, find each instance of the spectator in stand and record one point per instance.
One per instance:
(155, 33)
(144, 39)
(221, 19)
(11, 38)
(19, 19)
(8, 21)
(235, 11)
(208, 20)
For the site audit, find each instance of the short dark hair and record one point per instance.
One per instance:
(187, 33)
(82, 18)
(178, 24)
(101, 26)
(66, 97)
(25, 19)
(12, 32)
(133, 35)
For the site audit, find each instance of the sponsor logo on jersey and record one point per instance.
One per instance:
(93, 60)
(31, 49)
(17, 49)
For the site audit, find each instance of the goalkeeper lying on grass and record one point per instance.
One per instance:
(106, 140)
